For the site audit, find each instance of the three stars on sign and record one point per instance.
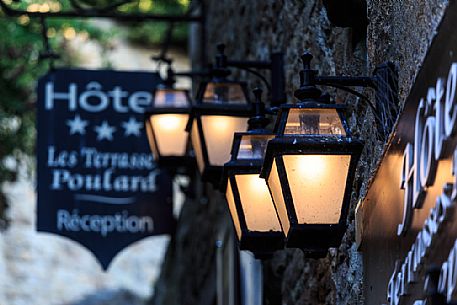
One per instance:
(104, 131)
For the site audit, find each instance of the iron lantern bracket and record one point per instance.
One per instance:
(258, 121)
(276, 85)
(171, 74)
(384, 82)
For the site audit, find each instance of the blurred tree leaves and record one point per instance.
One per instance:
(149, 33)
(20, 68)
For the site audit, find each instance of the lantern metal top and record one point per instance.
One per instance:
(240, 106)
(170, 100)
(248, 149)
(311, 119)
(220, 95)
(167, 98)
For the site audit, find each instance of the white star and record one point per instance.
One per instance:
(77, 125)
(132, 127)
(105, 131)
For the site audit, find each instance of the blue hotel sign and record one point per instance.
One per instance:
(97, 182)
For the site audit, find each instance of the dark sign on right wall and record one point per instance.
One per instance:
(409, 216)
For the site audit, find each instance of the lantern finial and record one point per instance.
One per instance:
(308, 89)
(258, 121)
(306, 58)
(220, 70)
(170, 79)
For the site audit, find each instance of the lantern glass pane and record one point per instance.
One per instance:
(317, 184)
(314, 122)
(232, 208)
(218, 131)
(228, 93)
(253, 146)
(274, 184)
(151, 140)
(165, 97)
(197, 146)
(170, 133)
(258, 208)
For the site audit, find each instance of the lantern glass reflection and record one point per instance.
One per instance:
(151, 139)
(253, 146)
(166, 126)
(248, 197)
(218, 131)
(274, 185)
(224, 92)
(222, 109)
(170, 132)
(197, 146)
(167, 97)
(232, 208)
(323, 179)
(258, 208)
(314, 122)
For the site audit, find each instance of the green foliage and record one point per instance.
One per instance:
(148, 33)
(20, 68)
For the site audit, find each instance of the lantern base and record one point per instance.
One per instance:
(262, 243)
(315, 253)
(263, 255)
(212, 174)
(315, 238)
(177, 164)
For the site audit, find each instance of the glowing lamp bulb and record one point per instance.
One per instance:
(311, 166)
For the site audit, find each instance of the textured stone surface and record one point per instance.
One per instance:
(401, 31)
(189, 264)
(256, 29)
(398, 31)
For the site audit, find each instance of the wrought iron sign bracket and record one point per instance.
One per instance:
(108, 11)
(104, 12)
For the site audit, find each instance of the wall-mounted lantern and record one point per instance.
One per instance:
(249, 200)
(222, 108)
(166, 123)
(310, 166)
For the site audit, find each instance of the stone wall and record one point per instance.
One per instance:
(399, 31)
(189, 270)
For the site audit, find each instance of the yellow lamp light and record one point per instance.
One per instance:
(309, 168)
(251, 206)
(166, 124)
(222, 108)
